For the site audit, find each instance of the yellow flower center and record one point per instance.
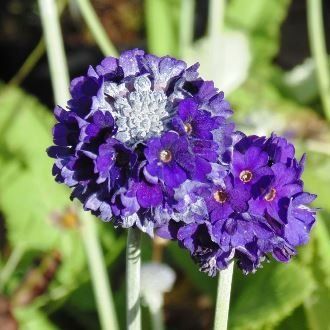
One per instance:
(220, 196)
(165, 156)
(246, 176)
(271, 195)
(188, 128)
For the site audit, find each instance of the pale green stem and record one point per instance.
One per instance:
(11, 265)
(223, 298)
(55, 50)
(96, 28)
(60, 81)
(319, 53)
(96, 263)
(186, 25)
(216, 16)
(133, 274)
(28, 64)
(161, 35)
(157, 319)
(34, 56)
(215, 31)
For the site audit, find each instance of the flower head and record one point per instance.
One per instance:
(137, 128)
(258, 208)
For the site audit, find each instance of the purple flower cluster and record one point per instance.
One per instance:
(146, 142)
(134, 131)
(255, 208)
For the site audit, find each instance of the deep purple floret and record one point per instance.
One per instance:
(195, 123)
(170, 159)
(222, 200)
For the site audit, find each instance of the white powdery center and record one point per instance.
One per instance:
(139, 114)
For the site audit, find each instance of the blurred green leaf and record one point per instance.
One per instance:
(270, 295)
(317, 178)
(200, 280)
(317, 308)
(301, 83)
(317, 305)
(32, 319)
(321, 234)
(261, 20)
(297, 320)
(29, 197)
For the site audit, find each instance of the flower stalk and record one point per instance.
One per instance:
(157, 319)
(60, 81)
(223, 298)
(96, 263)
(96, 28)
(133, 282)
(11, 265)
(55, 50)
(186, 35)
(319, 52)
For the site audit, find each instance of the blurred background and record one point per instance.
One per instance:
(264, 54)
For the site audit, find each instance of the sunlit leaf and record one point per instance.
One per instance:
(32, 319)
(270, 295)
(261, 20)
(29, 196)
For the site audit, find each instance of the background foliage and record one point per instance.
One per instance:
(44, 280)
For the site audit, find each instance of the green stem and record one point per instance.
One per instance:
(60, 81)
(216, 16)
(29, 64)
(161, 36)
(96, 28)
(214, 31)
(103, 294)
(223, 298)
(133, 273)
(186, 25)
(157, 319)
(319, 53)
(11, 265)
(55, 50)
(34, 56)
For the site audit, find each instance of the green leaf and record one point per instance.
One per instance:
(317, 178)
(261, 20)
(266, 298)
(200, 280)
(32, 319)
(297, 320)
(29, 196)
(321, 234)
(317, 308)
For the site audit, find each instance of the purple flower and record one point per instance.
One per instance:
(225, 199)
(256, 210)
(112, 163)
(116, 147)
(279, 150)
(276, 200)
(300, 219)
(193, 122)
(251, 168)
(169, 159)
